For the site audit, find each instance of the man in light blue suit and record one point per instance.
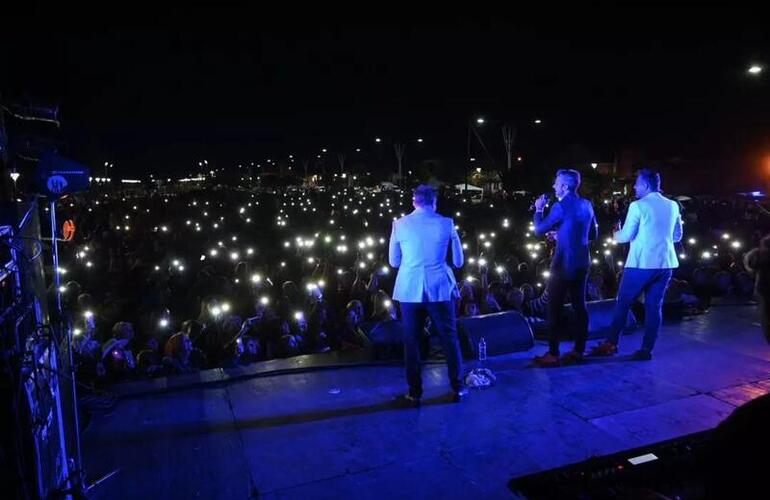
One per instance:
(426, 287)
(653, 225)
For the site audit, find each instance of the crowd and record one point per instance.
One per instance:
(160, 284)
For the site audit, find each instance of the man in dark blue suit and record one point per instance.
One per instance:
(574, 222)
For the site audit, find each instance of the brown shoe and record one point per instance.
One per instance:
(572, 358)
(547, 360)
(606, 348)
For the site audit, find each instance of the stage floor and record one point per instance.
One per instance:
(334, 433)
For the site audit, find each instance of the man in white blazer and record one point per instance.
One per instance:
(653, 224)
(426, 287)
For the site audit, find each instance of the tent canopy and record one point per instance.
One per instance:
(471, 187)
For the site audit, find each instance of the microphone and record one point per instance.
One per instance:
(548, 204)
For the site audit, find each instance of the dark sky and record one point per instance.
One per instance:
(157, 90)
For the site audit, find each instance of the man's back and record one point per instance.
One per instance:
(575, 223)
(653, 225)
(418, 247)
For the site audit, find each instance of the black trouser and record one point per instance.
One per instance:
(558, 287)
(442, 315)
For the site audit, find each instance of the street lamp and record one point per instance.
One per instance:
(377, 139)
(755, 69)
(479, 121)
(14, 176)
(538, 122)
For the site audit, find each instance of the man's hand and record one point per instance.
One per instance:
(552, 235)
(541, 202)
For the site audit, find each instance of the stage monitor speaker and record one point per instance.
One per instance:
(503, 332)
(600, 314)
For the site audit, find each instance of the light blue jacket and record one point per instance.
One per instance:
(652, 226)
(418, 248)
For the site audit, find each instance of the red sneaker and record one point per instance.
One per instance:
(606, 348)
(572, 358)
(547, 360)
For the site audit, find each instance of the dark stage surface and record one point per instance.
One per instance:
(334, 433)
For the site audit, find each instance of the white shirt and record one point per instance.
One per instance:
(653, 225)
(418, 248)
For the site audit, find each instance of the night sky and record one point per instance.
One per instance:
(155, 91)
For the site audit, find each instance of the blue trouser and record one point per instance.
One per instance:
(442, 315)
(651, 282)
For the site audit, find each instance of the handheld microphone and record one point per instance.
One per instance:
(548, 204)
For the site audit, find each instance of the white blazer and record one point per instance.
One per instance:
(418, 248)
(653, 225)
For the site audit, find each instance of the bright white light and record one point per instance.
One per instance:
(546, 274)
(298, 315)
(692, 241)
(234, 256)
(755, 69)
(500, 269)
(88, 314)
(77, 331)
(163, 323)
(264, 301)
(249, 251)
(216, 311)
(725, 236)
(594, 165)
(480, 121)
(736, 244)
(706, 255)
(62, 289)
(256, 278)
(225, 307)
(682, 256)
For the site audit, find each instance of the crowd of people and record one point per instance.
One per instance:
(166, 283)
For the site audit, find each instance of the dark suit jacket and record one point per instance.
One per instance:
(575, 223)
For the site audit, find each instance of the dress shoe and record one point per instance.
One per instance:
(407, 401)
(547, 360)
(572, 358)
(641, 355)
(606, 348)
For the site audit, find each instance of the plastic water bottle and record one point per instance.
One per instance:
(482, 349)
